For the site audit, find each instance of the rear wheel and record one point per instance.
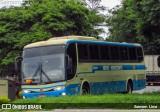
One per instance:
(156, 84)
(129, 87)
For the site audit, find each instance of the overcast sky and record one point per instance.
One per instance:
(110, 3)
(107, 3)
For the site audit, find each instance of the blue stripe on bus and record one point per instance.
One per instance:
(140, 67)
(115, 86)
(95, 88)
(117, 67)
(101, 42)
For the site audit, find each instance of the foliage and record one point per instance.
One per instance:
(122, 101)
(137, 21)
(111, 98)
(38, 20)
(94, 5)
(4, 100)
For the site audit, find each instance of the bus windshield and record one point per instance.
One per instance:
(43, 64)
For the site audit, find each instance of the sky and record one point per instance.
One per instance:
(107, 3)
(110, 3)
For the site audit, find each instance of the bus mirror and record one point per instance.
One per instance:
(158, 61)
(18, 61)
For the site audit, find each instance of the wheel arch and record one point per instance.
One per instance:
(130, 80)
(82, 83)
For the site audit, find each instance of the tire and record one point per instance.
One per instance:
(148, 84)
(156, 84)
(129, 87)
(85, 89)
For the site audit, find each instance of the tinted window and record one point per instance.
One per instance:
(48, 50)
(71, 52)
(114, 52)
(132, 53)
(123, 53)
(33, 52)
(139, 53)
(104, 52)
(83, 52)
(94, 52)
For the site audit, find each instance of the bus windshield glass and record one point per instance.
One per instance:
(43, 64)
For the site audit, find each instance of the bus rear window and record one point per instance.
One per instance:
(139, 53)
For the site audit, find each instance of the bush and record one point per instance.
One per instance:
(4, 99)
(20, 94)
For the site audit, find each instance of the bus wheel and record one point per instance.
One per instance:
(129, 86)
(148, 84)
(85, 89)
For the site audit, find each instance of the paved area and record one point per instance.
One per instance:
(102, 110)
(149, 89)
(94, 110)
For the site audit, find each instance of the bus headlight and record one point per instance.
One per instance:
(63, 94)
(26, 91)
(59, 88)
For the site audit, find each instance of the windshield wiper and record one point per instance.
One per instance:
(35, 74)
(42, 72)
(46, 75)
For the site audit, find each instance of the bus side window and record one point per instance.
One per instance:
(71, 52)
(123, 53)
(158, 61)
(104, 52)
(132, 54)
(139, 53)
(83, 54)
(114, 53)
(94, 52)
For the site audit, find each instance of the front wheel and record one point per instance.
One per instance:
(85, 89)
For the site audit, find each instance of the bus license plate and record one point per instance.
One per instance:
(42, 96)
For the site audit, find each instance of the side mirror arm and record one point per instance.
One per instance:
(17, 59)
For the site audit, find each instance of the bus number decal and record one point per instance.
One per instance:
(106, 68)
(116, 68)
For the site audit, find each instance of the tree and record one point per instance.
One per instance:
(137, 21)
(38, 20)
(93, 5)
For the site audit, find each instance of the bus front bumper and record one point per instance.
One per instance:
(67, 90)
(44, 94)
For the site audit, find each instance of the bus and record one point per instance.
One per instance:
(72, 65)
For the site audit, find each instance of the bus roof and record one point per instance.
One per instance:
(71, 39)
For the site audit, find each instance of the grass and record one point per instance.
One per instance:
(106, 98)
(111, 101)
